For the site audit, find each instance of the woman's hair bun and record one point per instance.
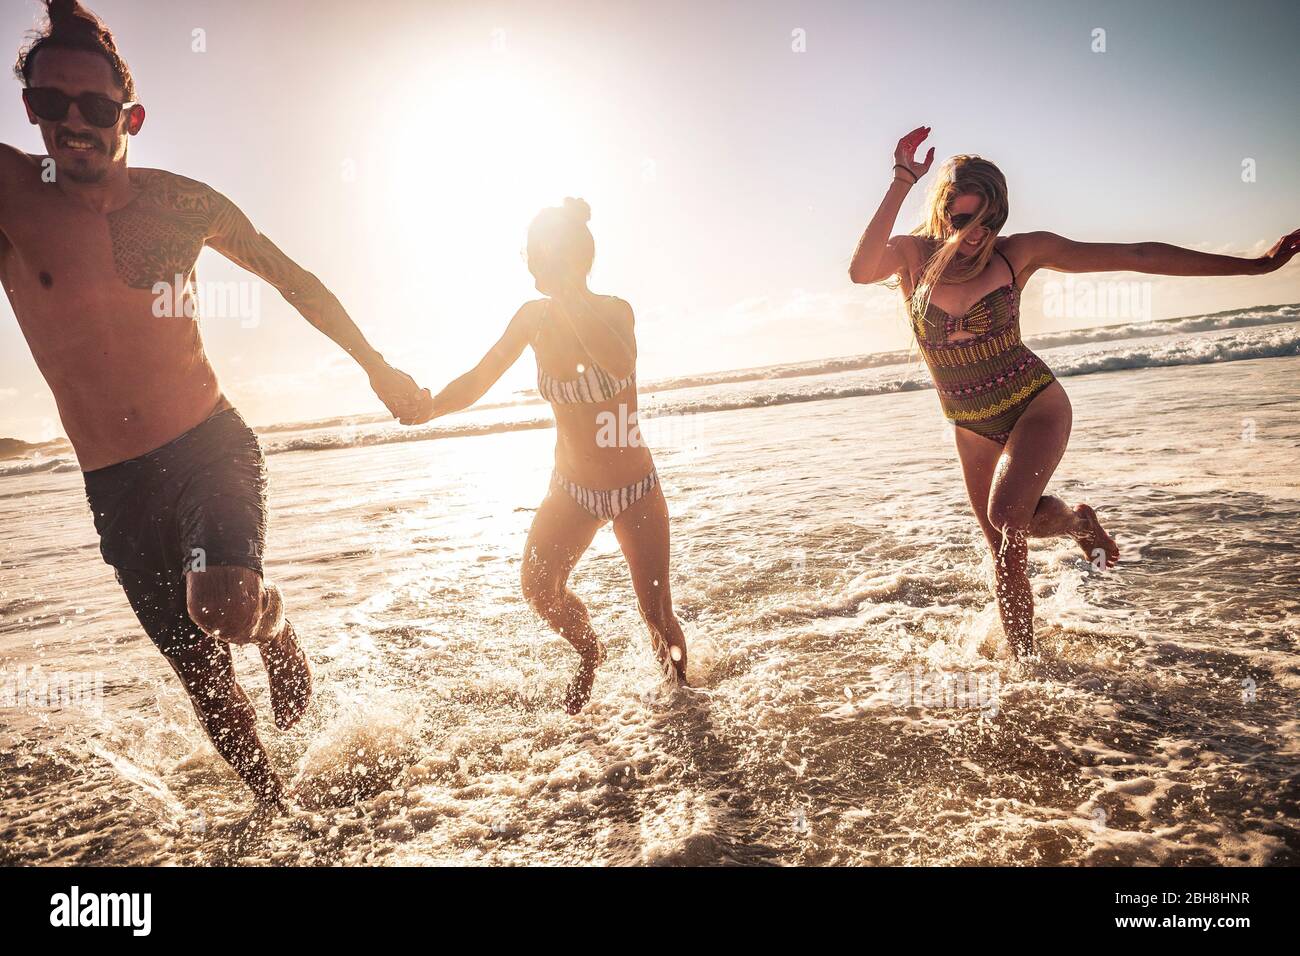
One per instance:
(577, 209)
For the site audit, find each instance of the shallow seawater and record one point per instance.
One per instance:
(854, 700)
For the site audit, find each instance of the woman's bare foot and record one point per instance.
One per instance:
(678, 655)
(672, 661)
(1093, 537)
(578, 692)
(289, 673)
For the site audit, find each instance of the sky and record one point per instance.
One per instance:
(732, 154)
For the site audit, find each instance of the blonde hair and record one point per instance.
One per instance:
(960, 175)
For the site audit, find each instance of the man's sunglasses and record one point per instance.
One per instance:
(52, 106)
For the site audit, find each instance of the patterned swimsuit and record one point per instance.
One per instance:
(987, 379)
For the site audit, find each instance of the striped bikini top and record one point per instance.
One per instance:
(592, 386)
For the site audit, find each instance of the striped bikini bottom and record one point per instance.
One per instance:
(608, 504)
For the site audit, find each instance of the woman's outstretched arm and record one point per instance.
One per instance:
(1046, 250)
(473, 385)
(877, 257)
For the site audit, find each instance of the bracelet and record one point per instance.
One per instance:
(906, 170)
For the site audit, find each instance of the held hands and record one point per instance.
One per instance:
(1280, 254)
(905, 156)
(403, 398)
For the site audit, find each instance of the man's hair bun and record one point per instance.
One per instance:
(70, 26)
(69, 19)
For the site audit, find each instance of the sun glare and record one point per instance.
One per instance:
(493, 147)
(481, 147)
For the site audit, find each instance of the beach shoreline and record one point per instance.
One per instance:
(830, 578)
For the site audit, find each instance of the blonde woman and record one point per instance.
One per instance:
(585, 348)
(961, 283)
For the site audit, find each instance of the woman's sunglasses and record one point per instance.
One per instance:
(961, 220)
(52, 106)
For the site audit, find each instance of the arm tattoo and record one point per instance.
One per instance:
(235, 237)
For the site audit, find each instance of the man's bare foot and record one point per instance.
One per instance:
(269, 807)
(578, 692)
(289, 674)
(1093, 537)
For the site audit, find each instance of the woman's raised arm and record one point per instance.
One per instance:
(877, 257)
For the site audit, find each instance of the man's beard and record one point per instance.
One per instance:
(87, 168)
(88, 176)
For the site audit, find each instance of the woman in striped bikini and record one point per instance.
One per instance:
(1012, 415)
(586, 368)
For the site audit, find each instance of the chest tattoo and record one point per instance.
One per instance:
(159, 235)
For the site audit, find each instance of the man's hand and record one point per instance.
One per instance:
(403, 398)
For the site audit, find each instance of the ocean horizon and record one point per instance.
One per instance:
(1083, 351)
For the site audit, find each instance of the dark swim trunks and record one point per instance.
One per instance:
(197, 502)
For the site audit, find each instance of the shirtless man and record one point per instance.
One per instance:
(174, 477)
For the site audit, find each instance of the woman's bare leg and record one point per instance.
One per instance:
(643, 534)
(1053, 518)
(1029, 459)
(979, 460)
(561, 532)
(1005, 485)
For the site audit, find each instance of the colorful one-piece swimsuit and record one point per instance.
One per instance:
(987, 379)
(592, 387)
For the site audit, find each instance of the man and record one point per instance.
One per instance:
(174, 477)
